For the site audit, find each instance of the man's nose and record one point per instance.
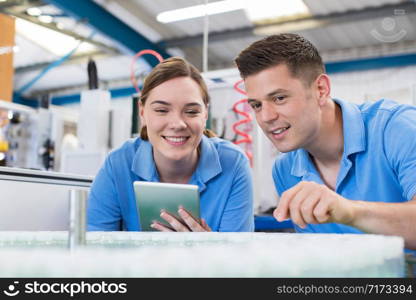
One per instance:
(268, 112)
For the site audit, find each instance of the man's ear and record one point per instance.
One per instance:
(141, 114)
(323, 88)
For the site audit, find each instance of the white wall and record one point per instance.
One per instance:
(397, 84)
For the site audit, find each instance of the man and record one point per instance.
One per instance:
(347, 168)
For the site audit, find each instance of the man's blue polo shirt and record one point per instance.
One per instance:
(378, 163)
(223, 176)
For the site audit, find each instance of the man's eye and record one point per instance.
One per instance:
(255, 105)
(279, 98)
(162, 111)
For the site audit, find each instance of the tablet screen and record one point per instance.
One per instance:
(151, 197)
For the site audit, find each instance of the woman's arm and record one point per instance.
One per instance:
(103, 210)
(238, 214)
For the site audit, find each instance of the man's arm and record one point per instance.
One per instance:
(387, 218)
(312, 203)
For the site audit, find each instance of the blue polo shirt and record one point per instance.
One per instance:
(223, 176)
(378, 163)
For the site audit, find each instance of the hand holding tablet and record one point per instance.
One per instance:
(185, 223)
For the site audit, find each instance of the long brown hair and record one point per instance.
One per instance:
(169, 69)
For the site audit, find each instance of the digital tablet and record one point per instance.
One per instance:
(151, 197)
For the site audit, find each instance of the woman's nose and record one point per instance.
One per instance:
(177, 122)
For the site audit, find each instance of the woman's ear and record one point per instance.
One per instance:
(206, 112)
(141, 114)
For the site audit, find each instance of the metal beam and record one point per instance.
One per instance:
(108, 24)
(312, 22)
(75, 59)
(374, 63)
(138, 10)
(37, 176)
(20, 3)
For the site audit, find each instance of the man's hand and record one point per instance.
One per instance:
(186, 222)
(313, 203)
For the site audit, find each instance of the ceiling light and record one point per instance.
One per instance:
(265, 9)
(42, 36)
(34, 11)
(265, 30)
(45, 19)
(255, 9)
(199, 11)
(16, 49)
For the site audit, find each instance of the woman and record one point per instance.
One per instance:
(174, 147)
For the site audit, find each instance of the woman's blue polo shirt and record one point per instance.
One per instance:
(223, 176)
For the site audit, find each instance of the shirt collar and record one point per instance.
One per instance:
(353, 127)
(354, 138)
(208, 167)
(143, 163)
(209, 164)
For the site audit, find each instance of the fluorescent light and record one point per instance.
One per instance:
(256, 9)
(55, 42)
(265, 9)
(199, 11)
(288, 27)
(34, 11)
(16, 49)
(45, 19)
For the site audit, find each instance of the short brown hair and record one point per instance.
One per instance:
(299, 55)
(168, 69)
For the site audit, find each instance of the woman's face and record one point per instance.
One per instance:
(175, 116)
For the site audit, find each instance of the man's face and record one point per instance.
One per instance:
(288, 112)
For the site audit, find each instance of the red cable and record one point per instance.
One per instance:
(138, 54)
(246, 137)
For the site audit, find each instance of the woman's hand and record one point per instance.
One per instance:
(186, 222)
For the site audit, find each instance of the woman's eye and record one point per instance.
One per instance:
(161, 111)
(192, 112)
